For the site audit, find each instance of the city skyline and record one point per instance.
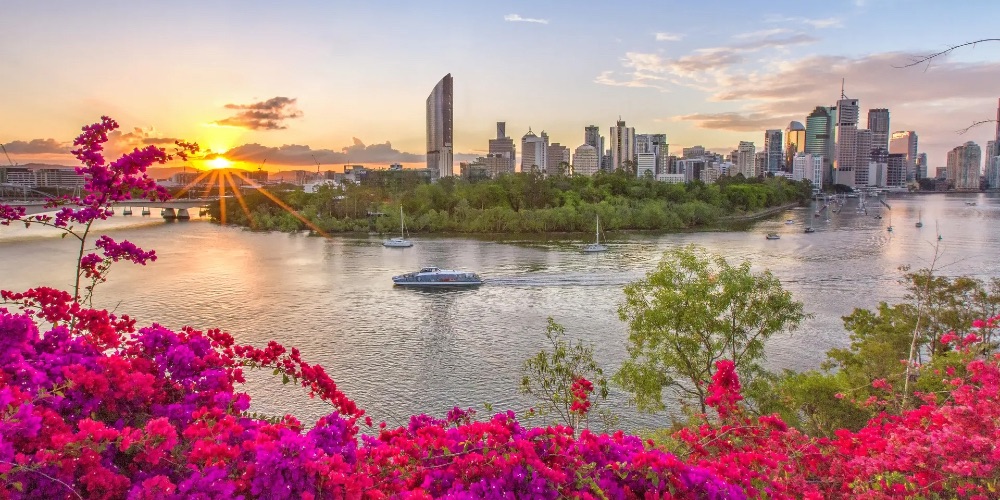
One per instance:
(315, 84)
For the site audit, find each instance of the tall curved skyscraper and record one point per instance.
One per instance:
(440, 157)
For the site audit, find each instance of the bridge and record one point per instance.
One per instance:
(173, 208)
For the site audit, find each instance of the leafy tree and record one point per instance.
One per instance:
(692, 311)
(549, 377)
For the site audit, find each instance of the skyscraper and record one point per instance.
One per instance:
(820, 138)
(555, 156)
(440, 104)
(905, 142)
(772, 148)
(921, 166)
(861, 165)
(534, 150)
(655, 149)
(592, 137)
(795, 142)
(878, 123)
(503, 146)
(746, 157)
(622, 145)
(847, 141)
(964, 167)
(586, 161)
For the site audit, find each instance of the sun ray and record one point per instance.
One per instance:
(283, 205)
(239, 197)
(222, 201)
(192, 183)
(212, 179)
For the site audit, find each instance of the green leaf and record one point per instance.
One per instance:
(284, 379)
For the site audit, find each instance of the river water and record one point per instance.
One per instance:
(399, 352)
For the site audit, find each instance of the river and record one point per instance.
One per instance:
(399, 352)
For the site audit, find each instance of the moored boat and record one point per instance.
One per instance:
(435, 277)
(773, 236)
(810, 230)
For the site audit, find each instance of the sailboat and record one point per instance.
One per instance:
(400, 242)
(596, 246)
(890, 223)
(920, 222)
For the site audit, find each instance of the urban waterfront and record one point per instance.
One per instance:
(399, 352)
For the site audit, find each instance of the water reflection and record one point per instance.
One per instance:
(399, 351)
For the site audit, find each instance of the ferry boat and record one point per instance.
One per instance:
(435, 277)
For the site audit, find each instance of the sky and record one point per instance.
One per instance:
(294, 84)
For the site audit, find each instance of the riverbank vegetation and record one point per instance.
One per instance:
(517, 203)
(94, 405)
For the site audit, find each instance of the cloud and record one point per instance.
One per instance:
(37, 146)
(668, 37)
(700, 69)
(518, 19)
(918, 98)
(296, 154)
(762, 33)
(828, 22)
(264, 115)
(741, 122)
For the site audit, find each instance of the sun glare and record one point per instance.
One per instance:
(219, 162)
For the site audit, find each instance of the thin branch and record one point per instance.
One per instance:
(915, 61)
(974, 124)
(26, 469)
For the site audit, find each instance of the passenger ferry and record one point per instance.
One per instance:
(434, 277)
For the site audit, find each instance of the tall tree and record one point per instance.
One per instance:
(692, 311)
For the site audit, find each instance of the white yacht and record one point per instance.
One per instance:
(400, 242)
(596, 246)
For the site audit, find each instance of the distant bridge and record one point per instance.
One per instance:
(175, 205)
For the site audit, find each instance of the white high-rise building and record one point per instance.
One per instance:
(847, 141)
(655, 144)
(534, 152)
(746, 158)
(586, 161)
(808, 166)
(622, 145)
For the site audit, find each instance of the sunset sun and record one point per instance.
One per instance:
(219, 162)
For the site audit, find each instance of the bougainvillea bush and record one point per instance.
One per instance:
(94, 406)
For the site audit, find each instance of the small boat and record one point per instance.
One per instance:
(400, 242)
(810, 230)
(970, 203)
(789, 221)
(773, 236)
(596, 246)
(435, 277)
(920, 222)
(940, 237)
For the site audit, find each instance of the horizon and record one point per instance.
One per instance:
(261, 87)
